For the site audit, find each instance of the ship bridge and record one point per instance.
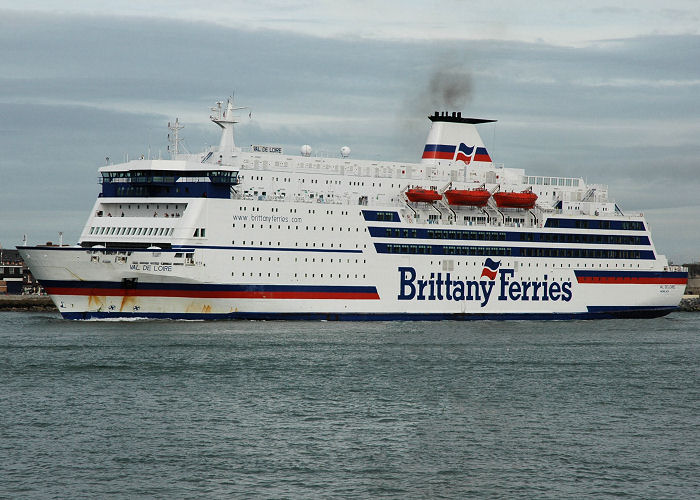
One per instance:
(167, 178)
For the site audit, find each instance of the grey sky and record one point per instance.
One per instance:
(569, 23)
(607, 93)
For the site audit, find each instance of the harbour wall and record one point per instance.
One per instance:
(690, 304)
(26, 303)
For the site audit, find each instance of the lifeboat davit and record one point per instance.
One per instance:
(471, 197)
(420, 194)
(509, 199)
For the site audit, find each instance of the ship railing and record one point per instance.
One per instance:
(299, 198)
(345, 167)
(112, 180)
(675, 268)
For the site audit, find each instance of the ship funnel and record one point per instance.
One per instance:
(455, 139)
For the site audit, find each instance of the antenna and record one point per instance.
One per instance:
(174, 138)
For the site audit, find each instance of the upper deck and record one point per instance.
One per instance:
(454, 158)
(167, 178)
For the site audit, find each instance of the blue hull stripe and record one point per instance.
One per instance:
(594, 312)
(479, 234)
(192, 248)
(188, 248)
(505, 250)
(625, 309)
(630, 274)
(274, 249)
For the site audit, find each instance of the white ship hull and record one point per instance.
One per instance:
(263, 281)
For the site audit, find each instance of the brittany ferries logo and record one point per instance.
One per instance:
(482, 291)
(463, 152)
(490, 268)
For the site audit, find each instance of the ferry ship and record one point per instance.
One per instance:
(258, 233)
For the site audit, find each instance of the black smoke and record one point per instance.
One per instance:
(448, 90)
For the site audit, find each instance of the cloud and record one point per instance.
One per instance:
(548, 20)
(76, 88)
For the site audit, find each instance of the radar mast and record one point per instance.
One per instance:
(174, 138)
(225, 119)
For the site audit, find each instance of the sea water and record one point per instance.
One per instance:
(349, 410)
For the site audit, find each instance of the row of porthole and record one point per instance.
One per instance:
(529, 264)
(294, 210)
(296, 244)
(306, 259)
(328, 181)
(313, 275)
(477, 278)
(296, 228)
(148, 206)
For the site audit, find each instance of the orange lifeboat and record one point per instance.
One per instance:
(471, 197)
(509, 199)
(420, 194)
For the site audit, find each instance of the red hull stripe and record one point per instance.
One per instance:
(621, 280)
(211, 294)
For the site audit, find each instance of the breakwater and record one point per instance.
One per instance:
(688, 304)
(26, 303)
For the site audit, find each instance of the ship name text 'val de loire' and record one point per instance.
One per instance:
(261, 234)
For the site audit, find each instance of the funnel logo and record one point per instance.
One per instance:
(464, 153)
(490, 269)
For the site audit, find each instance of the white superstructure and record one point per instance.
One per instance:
(259, 233)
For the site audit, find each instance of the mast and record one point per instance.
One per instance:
(225, 119)
(174, 139)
